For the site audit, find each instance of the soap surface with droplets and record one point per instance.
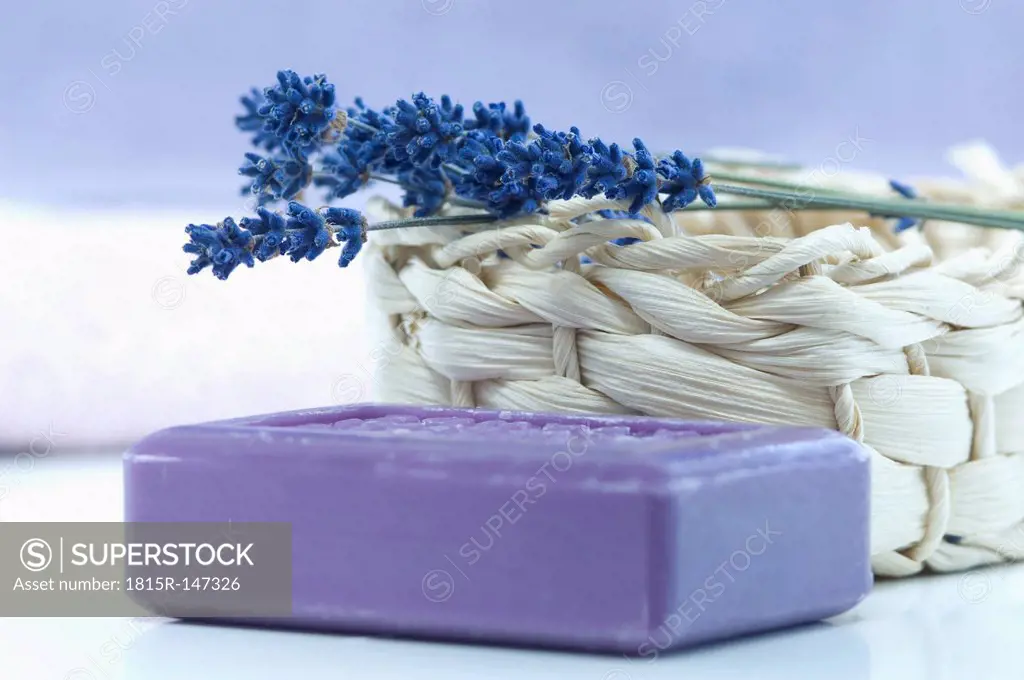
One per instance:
(605, 533)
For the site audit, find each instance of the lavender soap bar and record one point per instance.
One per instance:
(624, 534)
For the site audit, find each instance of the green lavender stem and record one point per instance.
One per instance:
(803, 190)
(803, 197)
(438, 221)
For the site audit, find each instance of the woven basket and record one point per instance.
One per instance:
(912, 344)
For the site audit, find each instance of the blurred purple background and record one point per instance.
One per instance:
(131, 101)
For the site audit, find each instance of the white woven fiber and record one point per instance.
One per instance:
(913, 345)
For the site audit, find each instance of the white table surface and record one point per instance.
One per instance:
(961, 626)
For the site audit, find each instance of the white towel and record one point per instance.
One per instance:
(104, 338)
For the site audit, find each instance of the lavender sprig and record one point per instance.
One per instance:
(489, 159)
(302, 234)
(551, 166)
(684, 181)
(422, 132)
(487, 178)
(496, 119)
(425, 189)
(346, 170)
(350, 228)
(424, 146)
(622, 175)
(270, 231)
(276, 177)
(641, 182)
(298, 110)
(222, 248)
(607, 169)
(365, 132)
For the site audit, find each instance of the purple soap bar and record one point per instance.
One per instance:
(624, 534)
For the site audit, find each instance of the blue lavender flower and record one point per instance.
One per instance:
(511, 199)
(347, 169)
(498, 120)
(478, 154)
(298, 110)
(367, 139)
(553, 165)
(303, 234)
(308, 235)
(222, 248)
(252, 121)
(352, 232)
(486, 179)
(906, 191)
(270, 231)
(425, 188)
(622, 175)
(378, 120)
(450, 111)
(684, 181)
(422, 132)
(606, 168)
(281, 177)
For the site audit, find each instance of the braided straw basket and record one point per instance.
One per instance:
(910, 344)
